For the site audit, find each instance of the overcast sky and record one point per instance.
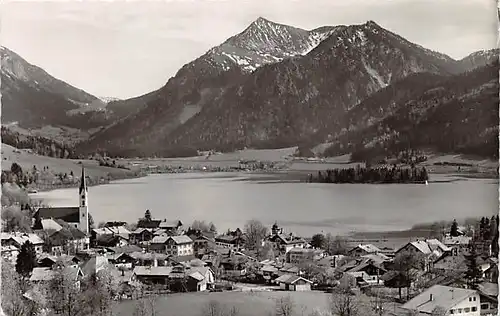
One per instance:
(124, 49)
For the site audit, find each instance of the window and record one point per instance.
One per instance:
(474, 298)
(485, 306)
(459, 311)
(470, 299)
(474, 308)
(466, 310)
(452, 311)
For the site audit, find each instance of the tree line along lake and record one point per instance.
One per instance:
(230, 199)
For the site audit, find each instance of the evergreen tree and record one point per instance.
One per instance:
(26, 259)
(318, 241)
(454, 229)
(473, 274)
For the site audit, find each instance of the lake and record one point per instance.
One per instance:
(303, 208)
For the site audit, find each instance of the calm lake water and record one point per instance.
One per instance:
(303, 208)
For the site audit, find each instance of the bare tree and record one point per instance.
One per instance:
(65, 296)
(100, 290)
(12, 292)
(285, 306)
(335, 245)
(146, 306)
(344, 303)
(255, 233)
(407, 265)
(214, 308)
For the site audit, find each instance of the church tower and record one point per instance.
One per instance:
(84, 204)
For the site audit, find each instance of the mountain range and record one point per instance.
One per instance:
(359, 88)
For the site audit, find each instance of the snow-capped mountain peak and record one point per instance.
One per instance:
(264, 42)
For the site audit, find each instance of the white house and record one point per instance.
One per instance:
(460, 301)
(173, 245)
(362, 250)
(290, 282)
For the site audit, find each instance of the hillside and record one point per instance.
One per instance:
(32, 99)
(455, 114)
(274, 94)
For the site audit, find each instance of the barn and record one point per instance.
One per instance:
(289, 282)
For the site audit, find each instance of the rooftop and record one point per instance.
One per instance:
(438, 295)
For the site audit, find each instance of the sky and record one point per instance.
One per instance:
(128, 48)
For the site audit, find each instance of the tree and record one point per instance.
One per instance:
(454, 229)
(100, 290)
(16, 169)
(255, 233)
(12, 290)
(343, 303)
(406, 265)
(335, 245)
(473, 274)
(64, 294)
(26, 259)
(214, 308)
(318, 241)
(16, 220)
(212, 228)
(285, 306)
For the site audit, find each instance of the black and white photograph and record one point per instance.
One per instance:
(249, 157)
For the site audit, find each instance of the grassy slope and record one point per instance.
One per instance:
(247, 303)
(27, 160)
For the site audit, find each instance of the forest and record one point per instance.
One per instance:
(371, 175)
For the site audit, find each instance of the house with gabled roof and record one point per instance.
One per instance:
(292, 282)
(465, 302)
(18, 239)
(361, 250)
(141, 235)
(173, 245)
(285, 242)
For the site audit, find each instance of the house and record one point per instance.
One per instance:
(121, 232)
(18, 239)
(41, 276)
(68, 238)
(458, 241)
(191, 279)
(361, 250)
(170, 227)
(111, 240)
(232, 240)
(488, 293)
(141, 235)
(121, 260)
(173, 245)
(202, 241)
(296, 255)
(290, 282)
(465, 302)
(48, 261)
(77, 216)
(152, 275)
(284, 243)
(430, 250)
(94, 265)
(149, 259)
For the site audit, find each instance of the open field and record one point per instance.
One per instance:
(247, 303)
(27, 160)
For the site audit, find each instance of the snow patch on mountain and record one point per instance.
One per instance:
(374, 74)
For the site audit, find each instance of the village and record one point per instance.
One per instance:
(456, 273)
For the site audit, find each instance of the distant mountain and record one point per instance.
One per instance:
(479, 59)
(451, 114)
(270, 85)
(18, 69)
(35, 100)
(287, 103)
(197, 83)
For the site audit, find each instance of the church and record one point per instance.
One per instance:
(77, 216)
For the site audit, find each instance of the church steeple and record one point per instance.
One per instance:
(84, 206)
(83, 183)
